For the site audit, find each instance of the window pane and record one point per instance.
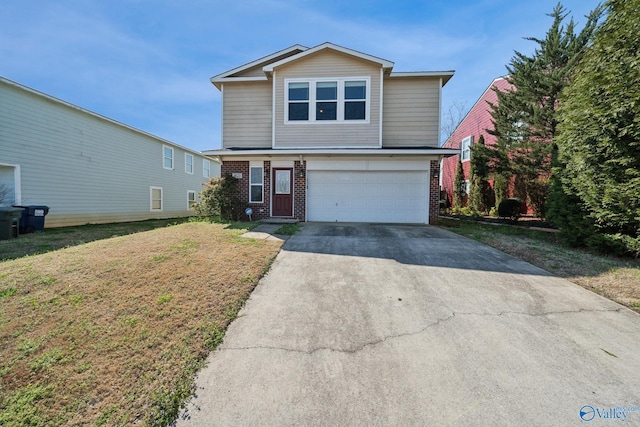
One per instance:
(326, 110)
(256, 193)
(283, 184)
(354, 110)
(355, 90)
(298, 111)
(327, 90)
(298, 91)
(256, 175)
(168, 163)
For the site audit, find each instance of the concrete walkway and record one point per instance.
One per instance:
(397, 325)
(266, 232)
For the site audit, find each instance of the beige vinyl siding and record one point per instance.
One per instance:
(86, 168)
(328, 64)
(411, 112)
(247, 116)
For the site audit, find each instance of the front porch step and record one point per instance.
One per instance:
(279, 221)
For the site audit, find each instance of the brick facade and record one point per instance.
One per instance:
(434, 192)
(263, 210)
(300, 190)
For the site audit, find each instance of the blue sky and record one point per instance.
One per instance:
(148, 63)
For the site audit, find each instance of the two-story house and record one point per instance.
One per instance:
(88, 168)
(331, 134)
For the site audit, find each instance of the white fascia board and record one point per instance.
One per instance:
(383, 62)
(258, 61)
(96, 115)
(334, 151)
(445, 75)
(218, 82)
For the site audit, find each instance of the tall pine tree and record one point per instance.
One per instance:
(525, 117)
(459, 187)
(479, 195)
(599, 135)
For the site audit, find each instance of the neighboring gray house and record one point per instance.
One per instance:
(88, 168)
(332, 134)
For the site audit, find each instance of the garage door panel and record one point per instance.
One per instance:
(367, 196)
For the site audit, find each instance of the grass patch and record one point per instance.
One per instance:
(113, 331)
(615, 278)
(288, 229)
(52, 239)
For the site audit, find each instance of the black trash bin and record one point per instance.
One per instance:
(9, 222)
(32, 218)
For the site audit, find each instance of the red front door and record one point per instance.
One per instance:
(282, 190)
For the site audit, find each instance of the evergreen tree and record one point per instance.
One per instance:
(459, 187)
(599, 133)
(479, 195)
(525, 116)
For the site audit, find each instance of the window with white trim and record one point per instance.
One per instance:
(206, 168)
(327, 100)
(191, 198)
(256, 182)
(167, 157)
(188, 163)
(155, 199)
(465, 148)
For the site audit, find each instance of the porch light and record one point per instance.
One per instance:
(302, 171)
(435, 173)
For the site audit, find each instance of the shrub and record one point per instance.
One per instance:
(500, 188)
(614, 244)
(538, 196)
(220, 198)
(510, 208)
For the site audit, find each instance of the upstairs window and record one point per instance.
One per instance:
(167, 154)
(188, 163)
(355, 95)
(298, 101)
(465, 148)
(327, 100)
(206, 168)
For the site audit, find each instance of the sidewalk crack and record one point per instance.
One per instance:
(372, 343)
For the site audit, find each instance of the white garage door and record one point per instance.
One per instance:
(367, 196)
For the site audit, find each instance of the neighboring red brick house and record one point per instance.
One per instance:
(474, 124)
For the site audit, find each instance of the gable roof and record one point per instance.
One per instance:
(291, 50)
(297, 52)
(387, 65)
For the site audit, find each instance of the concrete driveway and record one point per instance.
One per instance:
(412, 325)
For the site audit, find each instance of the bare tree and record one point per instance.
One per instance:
(452, 118)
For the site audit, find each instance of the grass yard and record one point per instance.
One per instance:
(111, 332)
(58, 238)
(615, 278)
